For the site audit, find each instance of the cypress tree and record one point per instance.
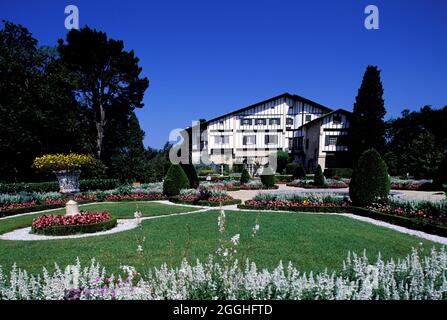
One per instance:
(367, 127)
(319, 177)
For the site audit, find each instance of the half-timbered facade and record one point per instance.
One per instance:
(310, 132)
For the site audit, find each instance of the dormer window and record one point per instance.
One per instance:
(289, 121)
(308, 117)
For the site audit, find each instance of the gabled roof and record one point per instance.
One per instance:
(284, 95)
(348, 113)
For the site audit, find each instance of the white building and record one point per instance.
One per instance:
(311, 133)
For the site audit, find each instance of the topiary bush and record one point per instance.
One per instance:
(319, 177)
(245, 176)
(290, 168)
(370, 180)
(175, 180)
(268, 177)
(191, 173)
(299, 172)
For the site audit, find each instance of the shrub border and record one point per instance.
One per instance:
(205, 202)
(411, 223)
(72, 229)
(315, 187)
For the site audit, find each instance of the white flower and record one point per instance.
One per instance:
(221, 221)
(140, 249)
(235, 239)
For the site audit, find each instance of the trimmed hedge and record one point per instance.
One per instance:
(76, 229)
(338, 172)
(284, 178)
(319, 177)
(175, 181)
(40, 207)
(410, 223)
(370, 180)
(217, 204)
(245, 176)
(290, 168)
(299, 172)
(53, 186)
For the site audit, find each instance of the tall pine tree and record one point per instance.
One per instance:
(367, 127)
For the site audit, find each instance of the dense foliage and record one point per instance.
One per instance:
(245, 176)
(370, 180)
(319, 180)
(367, 127)
(268, 178)
(191, 173)
(175, 181)
(299, 172)
(417, 142)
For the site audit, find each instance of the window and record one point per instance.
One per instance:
(289, 121)
(307, 144)
(245, 122)
(261, 121)
(331, 140)
(222, 139)
(275, 121)
(271, 139)
(336, 118)
(221, 122)
(308, 117)
(249, 140)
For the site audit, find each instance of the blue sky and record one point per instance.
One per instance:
(205, 58)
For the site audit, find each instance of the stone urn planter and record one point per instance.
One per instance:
(68, 180)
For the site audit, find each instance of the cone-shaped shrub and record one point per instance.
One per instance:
(191, 173)
(319, 177)
(299, 172)
(370, 180)
(268, 177)
(245, 176)
(175, 180)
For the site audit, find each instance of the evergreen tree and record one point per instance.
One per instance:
(370, 180)
(245, 176)
(107, 78)
(191, 173)
(175, 181)
(319, 177)
(367, 127)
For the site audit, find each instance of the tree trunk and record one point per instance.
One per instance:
(100, 124)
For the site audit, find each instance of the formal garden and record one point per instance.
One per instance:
(87, 211)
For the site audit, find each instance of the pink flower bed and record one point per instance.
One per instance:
(187, 197)
(135, 196)
(220, 199)
(17, 205)
(46, 221)
(282, 203)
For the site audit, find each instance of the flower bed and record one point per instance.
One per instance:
(408, 184)
(329, 184)
(425, 216)
(205, 197)
(135, 197)
(86, 222)
(415, 277)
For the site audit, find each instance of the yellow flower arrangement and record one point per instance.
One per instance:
(59, 161)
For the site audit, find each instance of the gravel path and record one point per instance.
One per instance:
(24, 234)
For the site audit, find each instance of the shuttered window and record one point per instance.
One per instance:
(249, 140)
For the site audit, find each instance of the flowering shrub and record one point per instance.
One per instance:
(432, 212)
(408, 184)
(58, 161)
(47, 221)
(135, 196)
(204, 196)
(411, 278)
(329, 183)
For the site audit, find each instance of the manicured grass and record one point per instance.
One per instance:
(310, 241)
(120, 210)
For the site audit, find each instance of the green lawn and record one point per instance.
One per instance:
(121, 210)
(310, 241)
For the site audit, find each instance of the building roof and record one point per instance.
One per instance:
(346, 112)
(284, 95)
